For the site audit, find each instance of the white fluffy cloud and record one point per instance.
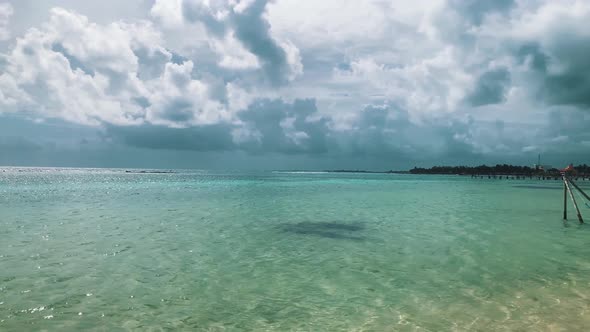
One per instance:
(350, 23)
(178, 100)
(6, 11)
(87, 73)
(168, 13)
(430, 85)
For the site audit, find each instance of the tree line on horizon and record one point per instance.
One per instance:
(497, 169)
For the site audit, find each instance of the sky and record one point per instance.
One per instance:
(294, 84)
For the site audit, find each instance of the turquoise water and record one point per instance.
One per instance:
(107, 250)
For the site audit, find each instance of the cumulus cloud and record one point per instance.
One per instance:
(6, 11)
(423, 81)
(551, 42)
(241, 35)
(433, 84)
(120, 73)
(168, 13)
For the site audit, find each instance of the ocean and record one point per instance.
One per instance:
(112, 250)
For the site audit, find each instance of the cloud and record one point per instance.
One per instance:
(432, 84)
(490, 88)
(168, 13)
(564, 42)
(567, 131)
(203, 138)
(6, 11)
(551, 42)
(177, 99)
(266, 126)
(475, 11)
(378, 132)
(240, 33)
(276, 126)
(387, 131)
(426, 81)
(120, 73)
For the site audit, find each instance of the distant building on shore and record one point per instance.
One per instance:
(569, 169)
(543, 168)
(539, 167)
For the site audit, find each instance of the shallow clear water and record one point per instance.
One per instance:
(107, 250)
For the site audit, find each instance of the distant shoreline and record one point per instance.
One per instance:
(497, 170)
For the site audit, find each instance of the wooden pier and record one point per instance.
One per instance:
(544, 177)
(568, 176)
(568, 183)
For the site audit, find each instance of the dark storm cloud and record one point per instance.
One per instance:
(251, 28)
(386, 132)
(269, 126)
(566, 139)
(286, 127)
(532, 53)
(178, 110)
(23, 142)
(490, 88)
(278, 127)
(570, 83)
(573, 124)
(378, 130)
(381, 135)
(458, 139)
(202, 138)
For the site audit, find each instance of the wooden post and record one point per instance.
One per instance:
(579, 189)
(573, 200)
(564, 200)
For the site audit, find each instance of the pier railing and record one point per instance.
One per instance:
(568, 183)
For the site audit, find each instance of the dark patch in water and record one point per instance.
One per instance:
(332, 230)
(537, 187)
